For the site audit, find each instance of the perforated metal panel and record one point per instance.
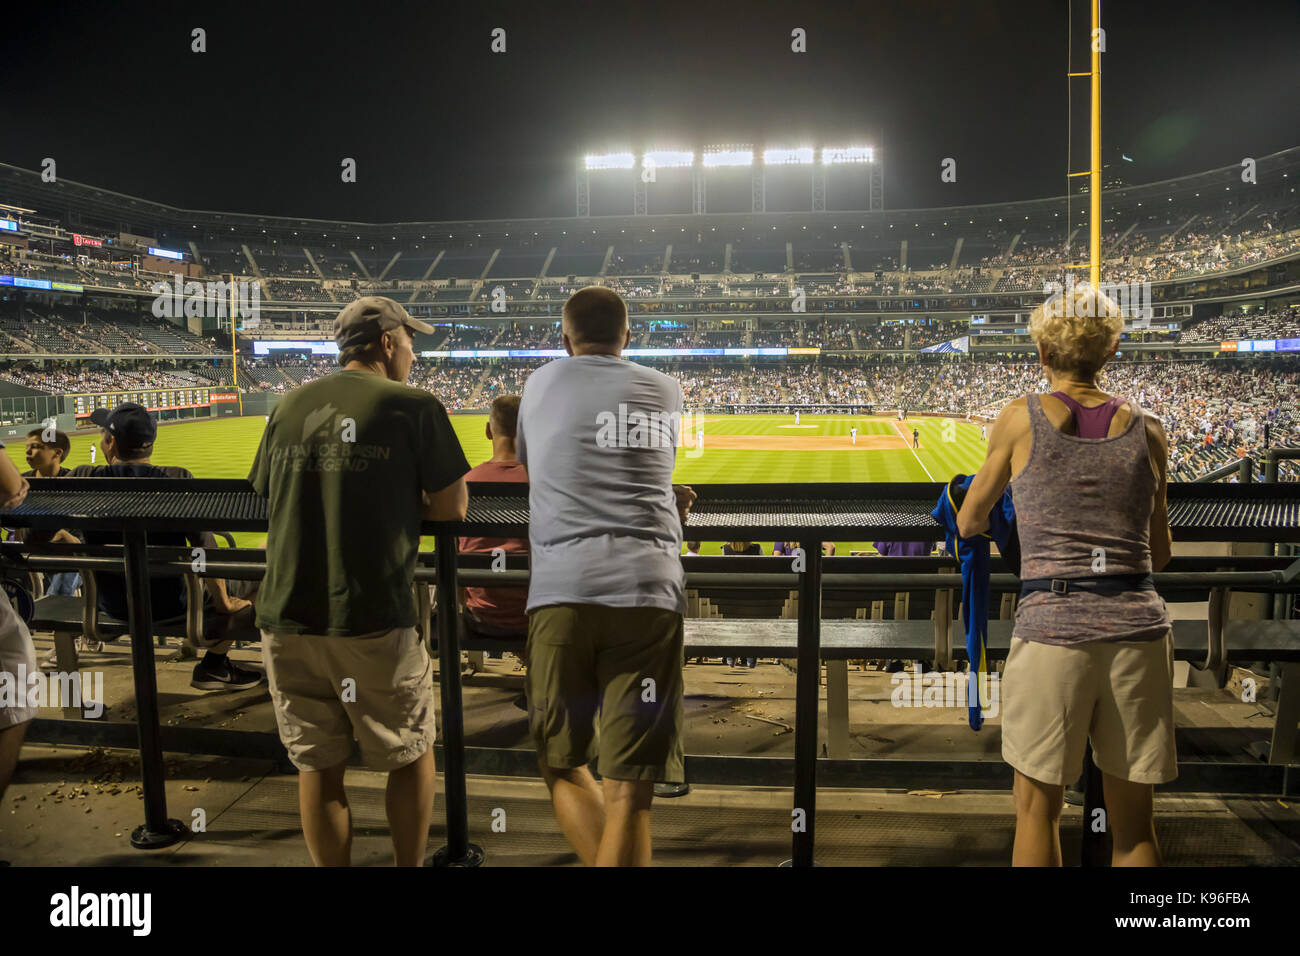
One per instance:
(214, 507)
(799, 508)
(498, 510)
(1212, 515)
(902, 512)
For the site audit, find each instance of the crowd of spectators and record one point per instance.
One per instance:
(634, 288)
(72, 379)
(452, 383)
(1281, 324)
(673, 339)
(470, 337)
(829, 334)
(898, 385)
(772, 338)
(529, 337)
(295, 291)
(1213, 411)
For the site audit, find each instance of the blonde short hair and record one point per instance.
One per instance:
(1078, 329)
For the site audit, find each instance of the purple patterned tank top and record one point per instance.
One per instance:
(1083, 508)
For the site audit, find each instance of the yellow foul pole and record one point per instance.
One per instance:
(234, 352)
(1095, 192)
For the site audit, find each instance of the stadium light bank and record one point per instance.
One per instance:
(645, 166)
(717, 156)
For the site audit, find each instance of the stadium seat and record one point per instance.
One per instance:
(70, 616)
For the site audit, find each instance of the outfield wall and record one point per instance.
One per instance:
(260, 403)
(19, 414)
(17, 431)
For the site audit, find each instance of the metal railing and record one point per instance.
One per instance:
(135, 508)
(1273, 456)
(1243, 468)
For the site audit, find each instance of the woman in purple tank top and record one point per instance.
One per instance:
(1091, 657)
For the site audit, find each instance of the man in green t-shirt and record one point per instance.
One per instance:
(350, 465)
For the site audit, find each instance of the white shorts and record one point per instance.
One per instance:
(17, 663)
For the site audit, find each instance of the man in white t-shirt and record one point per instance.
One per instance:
(606, 593)
(853, 433)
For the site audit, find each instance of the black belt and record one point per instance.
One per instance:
(493, 631)
(1109, 584)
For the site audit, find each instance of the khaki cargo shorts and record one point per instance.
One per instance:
(1119, 694)
(387, 706)
(606, 683)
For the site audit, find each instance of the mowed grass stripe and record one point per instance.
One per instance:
(949, 447)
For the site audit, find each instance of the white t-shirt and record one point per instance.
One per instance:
(598, 435)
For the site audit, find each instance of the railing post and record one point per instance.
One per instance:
(807, 691)
(943, 629)
(1270, 475)
(157, 831)
(458, 851)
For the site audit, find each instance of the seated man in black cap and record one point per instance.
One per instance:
(128, 434)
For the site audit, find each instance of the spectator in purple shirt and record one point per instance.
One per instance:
(903, 549)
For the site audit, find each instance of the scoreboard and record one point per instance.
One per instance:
(154, 399)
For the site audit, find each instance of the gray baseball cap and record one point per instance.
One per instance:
(364, 320)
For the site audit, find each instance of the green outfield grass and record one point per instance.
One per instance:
(947, 448)
(224, 448)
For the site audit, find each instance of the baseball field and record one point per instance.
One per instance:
(734, 448)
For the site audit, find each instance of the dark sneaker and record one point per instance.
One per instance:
(230, 677)
(672, 789)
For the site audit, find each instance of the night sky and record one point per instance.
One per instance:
(442, 128)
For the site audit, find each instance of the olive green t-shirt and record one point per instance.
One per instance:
(343, 462)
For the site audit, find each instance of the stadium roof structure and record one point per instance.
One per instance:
(96, 209)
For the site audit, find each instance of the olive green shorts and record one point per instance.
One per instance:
(604, 686)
